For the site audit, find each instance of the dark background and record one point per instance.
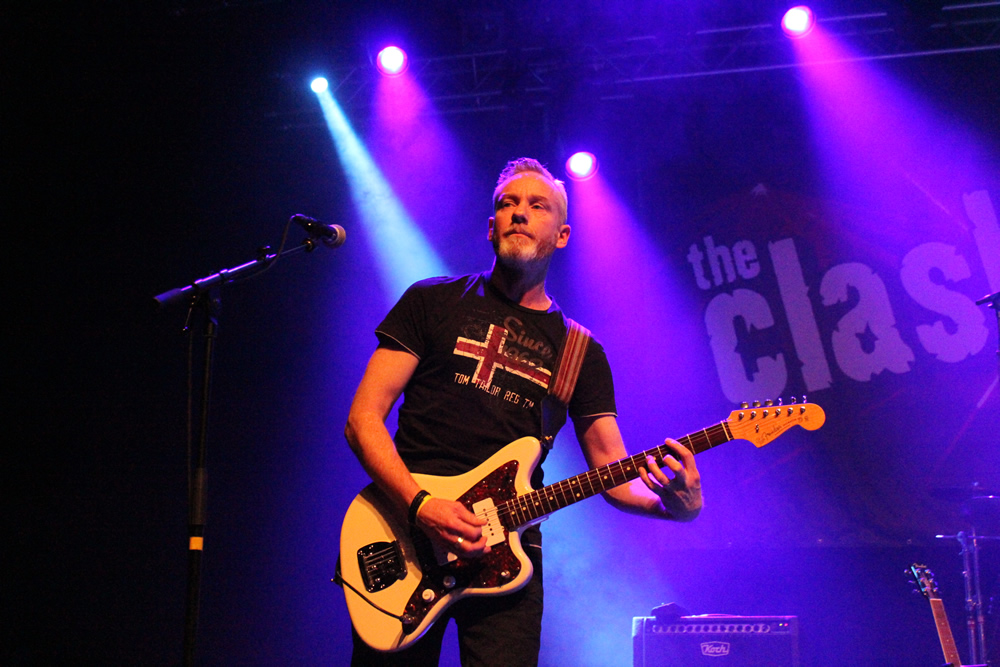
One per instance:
(149, 144)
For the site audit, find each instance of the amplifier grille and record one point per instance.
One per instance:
(722, 628)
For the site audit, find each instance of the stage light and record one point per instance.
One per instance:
(319, 84)
(798, 21)
(403, 253)
(581, 166)
(391, 61)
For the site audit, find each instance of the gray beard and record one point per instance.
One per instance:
(516, 255)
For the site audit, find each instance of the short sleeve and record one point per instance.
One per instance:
(595, 391)
(405, 325)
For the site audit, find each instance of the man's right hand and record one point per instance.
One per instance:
(454, 527)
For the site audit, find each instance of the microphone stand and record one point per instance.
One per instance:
(203, 297)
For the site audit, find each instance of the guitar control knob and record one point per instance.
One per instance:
(449, 582)
(505, 574)
(428, 595)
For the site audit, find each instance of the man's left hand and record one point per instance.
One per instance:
(681, 493)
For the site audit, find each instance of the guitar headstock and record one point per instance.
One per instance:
(760, 424)
(924, 579)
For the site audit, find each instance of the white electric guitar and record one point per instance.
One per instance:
(397, 582)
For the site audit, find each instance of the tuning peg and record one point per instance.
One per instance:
(804, 399)
(756, 404)
(793, 399)
(769, 402)
(781, 401)
(744, 405)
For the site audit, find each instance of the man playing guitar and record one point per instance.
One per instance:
(473, 358)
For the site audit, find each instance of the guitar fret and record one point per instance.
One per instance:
(726, 431)
(612, 479)
(518, 509)
(696, 446)
(561, 490)
(547, 497)
(536, 505)
(561, 496)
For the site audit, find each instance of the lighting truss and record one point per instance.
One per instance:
(497, 79)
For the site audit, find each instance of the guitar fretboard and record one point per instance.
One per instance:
(536, 504)
(944, 633)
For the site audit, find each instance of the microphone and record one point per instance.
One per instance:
(332, 236)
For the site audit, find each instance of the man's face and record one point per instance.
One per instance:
(527, 227)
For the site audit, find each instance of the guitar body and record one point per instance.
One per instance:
(403, 572)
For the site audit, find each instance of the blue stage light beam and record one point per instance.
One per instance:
(402, 252)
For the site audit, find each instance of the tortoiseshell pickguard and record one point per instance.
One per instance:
(492, 570)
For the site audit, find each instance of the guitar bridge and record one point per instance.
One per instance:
(382, 564)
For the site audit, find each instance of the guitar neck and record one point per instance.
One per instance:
(536, 504)
(944, 633)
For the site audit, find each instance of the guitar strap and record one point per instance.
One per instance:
(567, 372)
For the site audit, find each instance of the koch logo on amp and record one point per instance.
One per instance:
(715, 649)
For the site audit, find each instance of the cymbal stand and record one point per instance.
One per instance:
(974, 619)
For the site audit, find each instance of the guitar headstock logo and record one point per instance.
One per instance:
(762, 423)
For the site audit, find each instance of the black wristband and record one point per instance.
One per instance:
(415, 505)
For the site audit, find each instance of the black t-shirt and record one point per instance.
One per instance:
(484, 367)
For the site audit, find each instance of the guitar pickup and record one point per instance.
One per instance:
(382, 564)
(493, 530)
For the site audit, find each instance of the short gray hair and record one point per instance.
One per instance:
(525, 164)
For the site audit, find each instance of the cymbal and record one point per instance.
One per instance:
(962, 493)
(983, 504)
(983, 512)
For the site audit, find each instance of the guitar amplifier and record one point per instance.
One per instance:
(716, 640)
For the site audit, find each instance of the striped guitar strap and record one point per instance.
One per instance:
(567, 372)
